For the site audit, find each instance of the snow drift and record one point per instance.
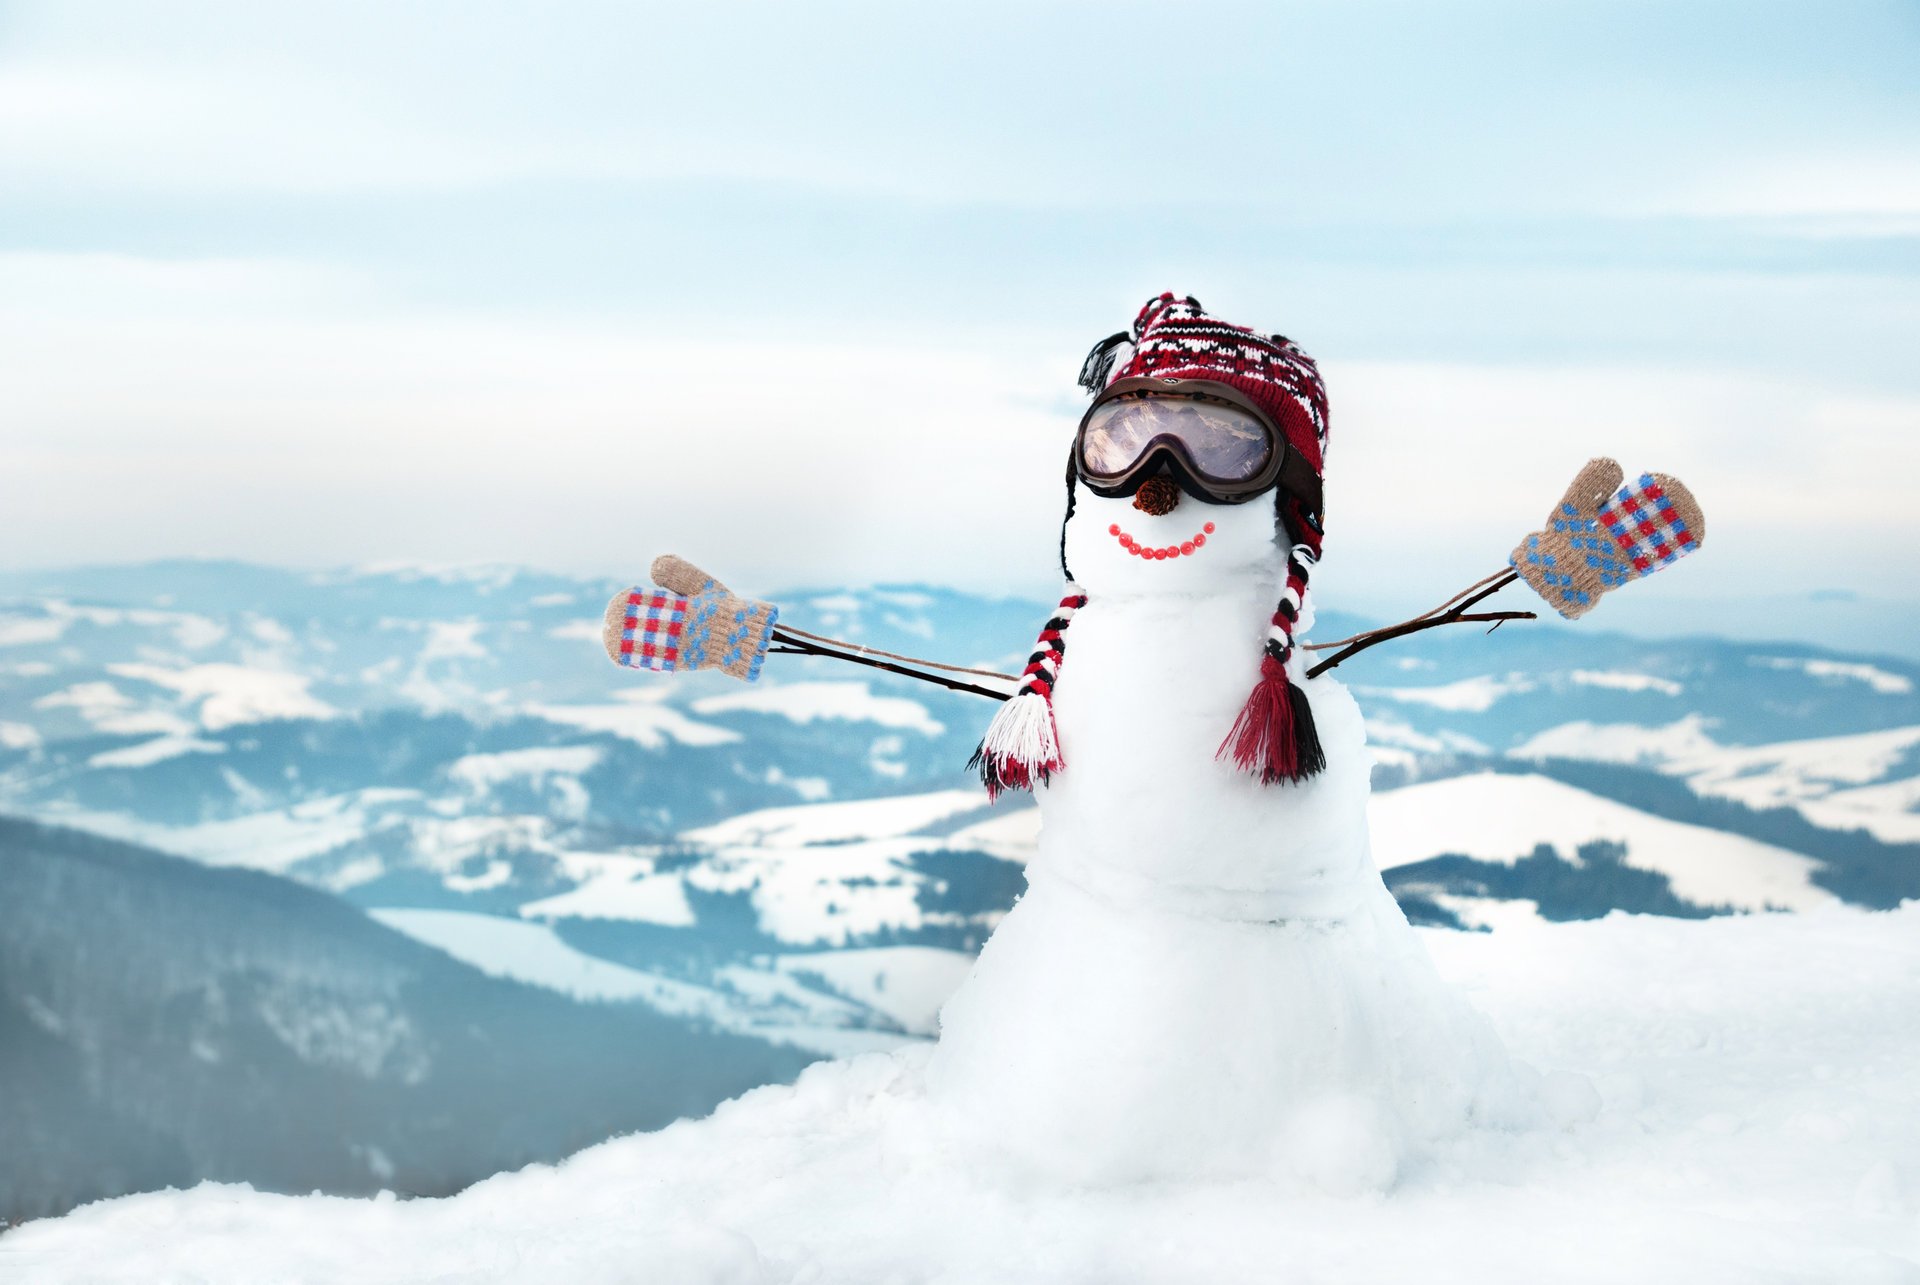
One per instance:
(1759, 1120)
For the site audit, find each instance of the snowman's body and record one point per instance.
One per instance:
(1206, 974)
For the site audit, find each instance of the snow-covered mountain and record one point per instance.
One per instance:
(454, 741)
(806, 861)
(162, 1022)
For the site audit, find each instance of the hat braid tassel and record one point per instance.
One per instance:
(1274, 737)
(1022, 744)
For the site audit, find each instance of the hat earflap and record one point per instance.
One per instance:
(1274, 738)
(1107, 355)
(1022, 743)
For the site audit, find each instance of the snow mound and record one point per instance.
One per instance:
(1758, 1120)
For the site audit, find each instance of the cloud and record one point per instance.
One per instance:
(241, 422)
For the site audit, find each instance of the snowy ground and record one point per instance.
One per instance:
(1761, 1123)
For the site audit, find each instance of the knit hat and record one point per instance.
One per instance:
(1175, 338)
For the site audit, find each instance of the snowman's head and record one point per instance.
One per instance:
(1171, 543)
(1180, 486)
(1197, 466)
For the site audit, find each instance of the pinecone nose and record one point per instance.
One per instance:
(1157, 496)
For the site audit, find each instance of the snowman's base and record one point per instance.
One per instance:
(1098, 1042)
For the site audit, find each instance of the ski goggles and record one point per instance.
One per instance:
(1223, 448)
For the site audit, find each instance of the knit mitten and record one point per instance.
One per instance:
(1602, 535)
(691, 621)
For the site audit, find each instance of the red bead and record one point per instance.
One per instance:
(1159, 555)
(1199, 540)
(1187, 547)
(1208, 528)
(1114, 529)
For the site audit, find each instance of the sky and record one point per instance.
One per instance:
(800, 291)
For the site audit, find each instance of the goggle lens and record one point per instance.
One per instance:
(1223, 443)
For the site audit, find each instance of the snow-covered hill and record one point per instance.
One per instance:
(1866, 781)
(163, 1022)
(1502, 818)
(1757, 1120)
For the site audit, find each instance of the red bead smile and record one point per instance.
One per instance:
(1186, 548)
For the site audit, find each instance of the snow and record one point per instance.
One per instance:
(147, 753)
(1873, 676)
(638, 716)
(1012, 835)
(852, 702)
(1468, 696)
(1835, 781)
(1497, 817)
(1785, 770)
(481, 773)
(92, 701)
(1206, 977)
(908, 984)
(1758, 1120)
(234, 694)
(1625, 682)
(18, 736)
(821, 895)
(24, 631)
(452, 640)
(268, 840)
(1619, 742)
(645, 898)
(531, 953)
(813, 823)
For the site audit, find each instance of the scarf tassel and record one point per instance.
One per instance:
(1274, 738)
(1022, 745)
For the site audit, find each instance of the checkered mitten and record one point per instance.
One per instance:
(1602, 535)
(691, 622)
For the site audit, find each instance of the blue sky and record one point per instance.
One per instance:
(800, 290)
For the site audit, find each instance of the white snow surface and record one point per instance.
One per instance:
(1467, 696)
(638, 715)
(615, 893)
(1872, 675)
(159, 750)
(18, 736)
(231, 695)
(1625, 681)
(1758, 1121)
(1498, 817)
(810, 823)
(1840, 782)
(531, 953)
(848, 702)
(908, 984)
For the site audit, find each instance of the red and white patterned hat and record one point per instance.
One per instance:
(1175, 338)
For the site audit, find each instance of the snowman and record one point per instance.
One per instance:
(1206, 977)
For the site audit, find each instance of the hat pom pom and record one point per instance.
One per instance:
(1274, 738)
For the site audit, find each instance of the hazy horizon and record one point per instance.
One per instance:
(803, 296)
